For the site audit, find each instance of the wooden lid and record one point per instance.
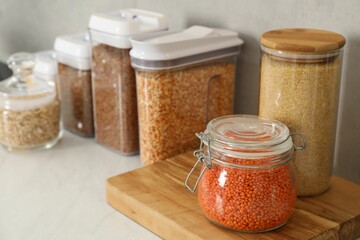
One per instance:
(301, 40)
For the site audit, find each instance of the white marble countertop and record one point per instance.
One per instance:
(59, 194)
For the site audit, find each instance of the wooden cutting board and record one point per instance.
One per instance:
(155, 197)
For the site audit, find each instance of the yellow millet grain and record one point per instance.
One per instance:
(304, 96)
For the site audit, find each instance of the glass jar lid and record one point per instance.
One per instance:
(247, 136)
(244, 141)
(24, 90)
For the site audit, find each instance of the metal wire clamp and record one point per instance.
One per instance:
(201, 156)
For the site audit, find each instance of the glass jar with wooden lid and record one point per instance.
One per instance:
(299, 86)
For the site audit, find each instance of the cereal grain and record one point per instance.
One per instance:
(304, 96)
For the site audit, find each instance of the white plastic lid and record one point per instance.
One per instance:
(194, 44)
(115, 28)
(45, 64)
(74, 50)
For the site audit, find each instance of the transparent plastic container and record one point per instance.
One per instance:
(114, 86)
(29, 108)
(184, 79)
(247, 181)
(46, 65)
(74, 57)
(299, 86)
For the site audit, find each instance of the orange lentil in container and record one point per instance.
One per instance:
(178, 92)
(169, 99)
(248, 185)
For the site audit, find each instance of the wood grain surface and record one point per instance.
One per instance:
(156, 197)
(302, 40)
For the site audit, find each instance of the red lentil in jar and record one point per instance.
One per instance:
(247, 181)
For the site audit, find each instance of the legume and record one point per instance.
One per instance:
(250, 200)
(115, 105)
(174, 104)
(76, 100)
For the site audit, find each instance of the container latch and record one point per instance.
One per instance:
(201, 156)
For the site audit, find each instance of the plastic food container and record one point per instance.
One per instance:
(247, 180)
(46, 65)
(299, 86)
(114, 87)
(29, 108)
(184, 79)
(74, 57)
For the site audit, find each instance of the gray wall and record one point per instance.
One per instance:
(32, 25)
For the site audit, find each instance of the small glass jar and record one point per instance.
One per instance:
(299, 86)
(29, 108)
(247, 181)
